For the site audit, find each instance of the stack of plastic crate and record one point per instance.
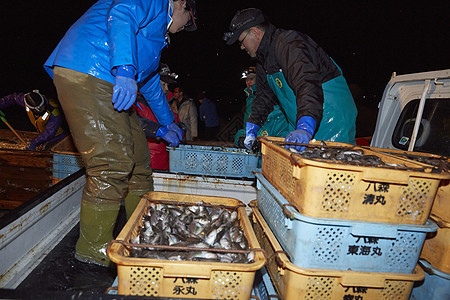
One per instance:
(435, 255)
(66, 159)
(345, 230)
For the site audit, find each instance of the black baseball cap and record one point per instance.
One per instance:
(192, 7)
(165, 74)
(243, 20)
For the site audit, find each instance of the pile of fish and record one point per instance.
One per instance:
(194, 226)
(345, 155)
(14, 144)
(440, 163)
(232, 150)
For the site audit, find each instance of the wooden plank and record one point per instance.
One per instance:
(23, 174)
(19, 184)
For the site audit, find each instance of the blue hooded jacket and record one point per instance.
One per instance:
(208, 113)
(113, 33)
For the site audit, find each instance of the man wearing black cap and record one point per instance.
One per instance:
(43, 113)
(295, 72)
(96, 69)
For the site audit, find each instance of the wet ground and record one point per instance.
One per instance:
(61, 276)
(61, 272)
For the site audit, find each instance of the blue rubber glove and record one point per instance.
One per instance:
(251, 131)
(169, 136)
(306, 126)
(31, 147)
(125, 89)
(174, 127)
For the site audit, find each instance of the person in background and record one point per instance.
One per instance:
(96, 69)
(153, 130)
(43, 113)
(208, 114)
(295, 72)
(187, 111)
(166, 78)
(276, 123)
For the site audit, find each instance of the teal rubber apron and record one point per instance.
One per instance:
(339, 110)
(275, 125)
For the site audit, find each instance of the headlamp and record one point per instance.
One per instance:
(29, 101)
(227, 35)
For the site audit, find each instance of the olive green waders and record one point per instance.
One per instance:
(115, 153)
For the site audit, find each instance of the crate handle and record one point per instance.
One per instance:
(356, 280)
(399, 178)
(374, 230)
(296, 170)
(202, 272)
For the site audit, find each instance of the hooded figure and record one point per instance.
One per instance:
(45, 116)
(97, 67)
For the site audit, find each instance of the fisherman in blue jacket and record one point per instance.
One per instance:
(208, 114)
(296, 73)
(43, 113)
(96, 68)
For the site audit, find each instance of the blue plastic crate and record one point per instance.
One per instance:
(65, 159)
(341, 244)
(436, 284)
(212, 161)
(65, 165)
(263, 287)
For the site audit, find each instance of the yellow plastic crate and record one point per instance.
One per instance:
(436, 249)
(184, 279)
(293, 282)
(337, 190)
(441, 205)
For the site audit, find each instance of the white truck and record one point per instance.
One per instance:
(414, 113)
(37, 242)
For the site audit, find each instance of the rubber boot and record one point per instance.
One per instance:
(96, 231)
(132, 200)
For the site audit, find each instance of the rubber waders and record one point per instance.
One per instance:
(132, 200)
(97, 223)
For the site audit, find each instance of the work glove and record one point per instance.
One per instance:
(306, 126)
(169, 136)
(31, 147)
(2, 116)
(125, 88)
(175, 128)
(251, 131)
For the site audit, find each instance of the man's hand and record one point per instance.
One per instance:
(169, 136)
(304, 133)
(175, 128)
(125, 88)
(31, 147)
(251, 131)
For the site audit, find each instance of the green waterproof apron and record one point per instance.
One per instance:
(275, 125)
(339, 110)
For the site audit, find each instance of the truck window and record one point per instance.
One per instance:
(434, 130)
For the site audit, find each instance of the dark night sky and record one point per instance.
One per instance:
(368, 39)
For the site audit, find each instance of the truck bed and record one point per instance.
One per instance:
(46, 268)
